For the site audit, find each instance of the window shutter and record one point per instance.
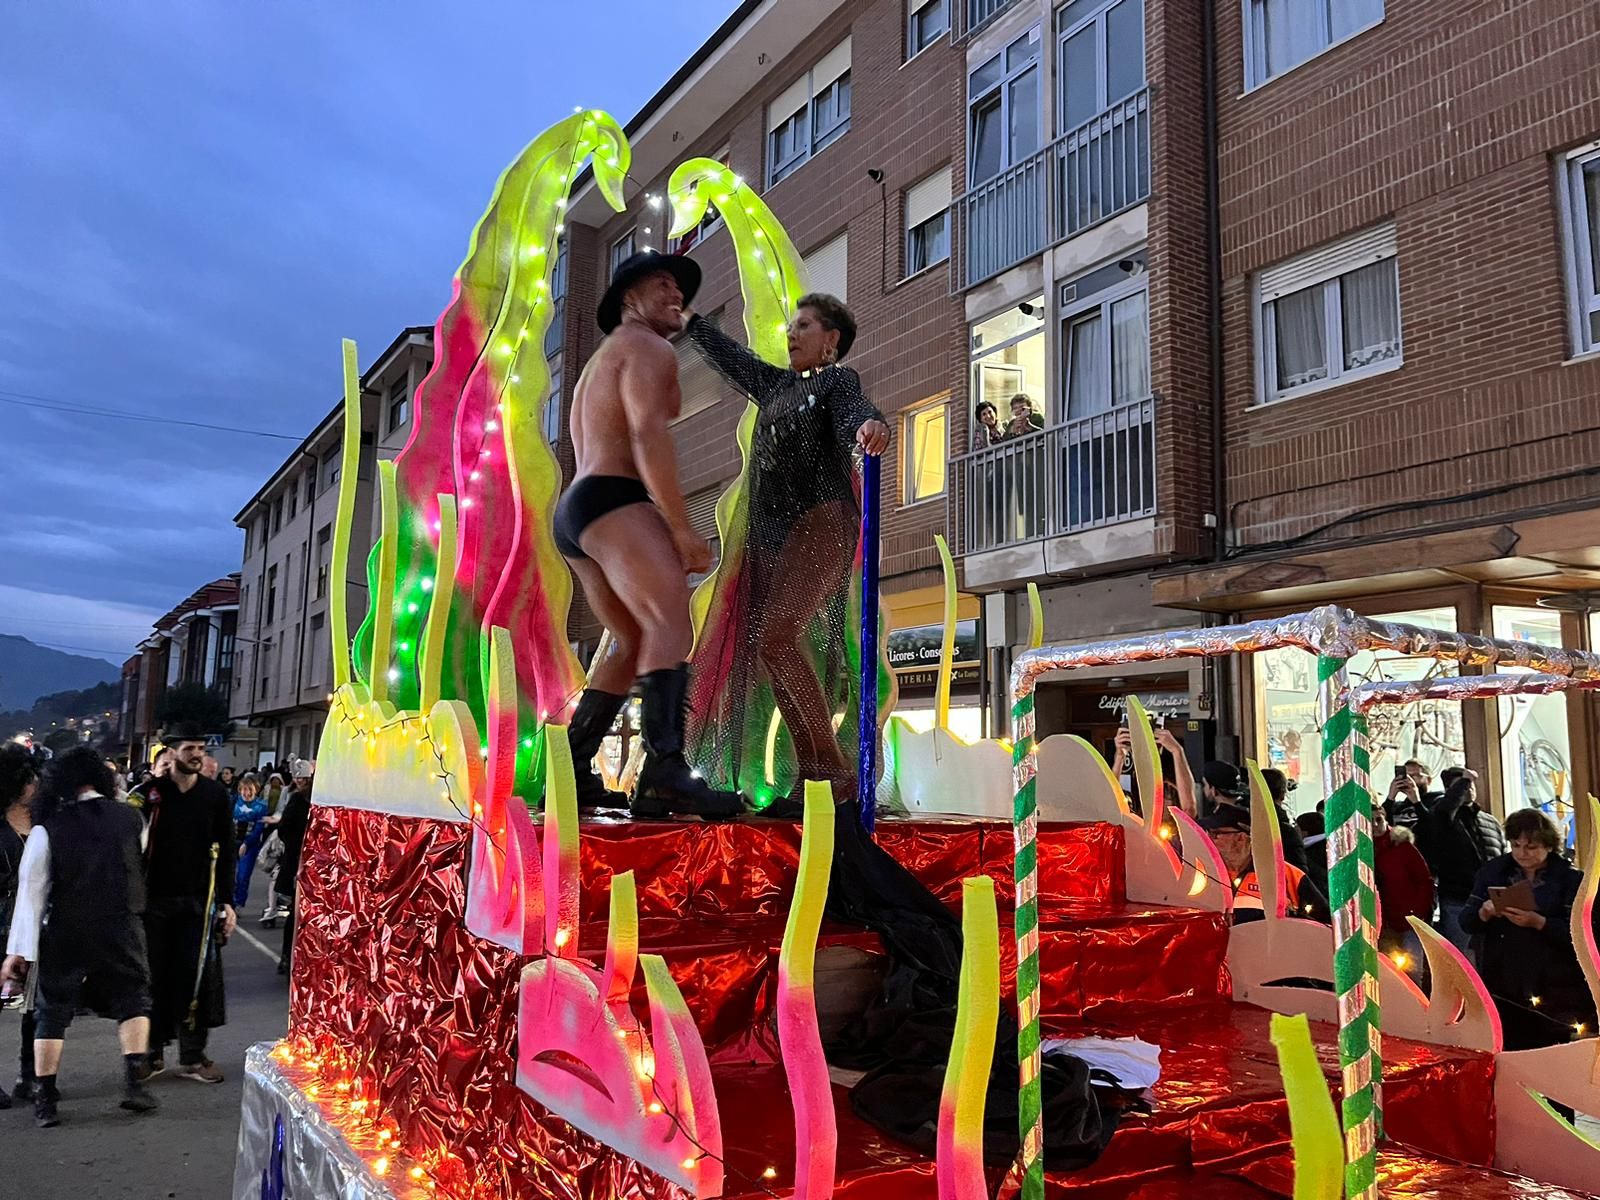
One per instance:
(832, 65)
(702, 510)
(826, 267)
(928, 198)
(1328, 262)
(790, 101)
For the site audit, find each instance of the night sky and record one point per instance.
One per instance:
(197, 201)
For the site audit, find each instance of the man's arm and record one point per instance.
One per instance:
(650, 399)
(1182, 775)
(33, 892)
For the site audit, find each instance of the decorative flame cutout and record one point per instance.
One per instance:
(1313, 1123)
(1531, 1138)
(816, 1134)
(966, 1077)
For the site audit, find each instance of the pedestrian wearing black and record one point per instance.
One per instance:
(1458, 838)
(292, 833)
(79, 900)
(190, 872)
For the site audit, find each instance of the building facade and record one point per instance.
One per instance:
(194, 643)
(279, 697)
(1234, 256)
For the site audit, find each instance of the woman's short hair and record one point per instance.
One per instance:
(68, 774)
(834, 315)
(17, 771)
(983, 404)
(1533, 825)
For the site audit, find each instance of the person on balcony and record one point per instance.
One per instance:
(778, 629)
(1025, 419)
(988, 432)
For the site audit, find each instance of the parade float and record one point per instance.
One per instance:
(493, 999)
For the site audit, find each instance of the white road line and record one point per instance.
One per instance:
(241, 931)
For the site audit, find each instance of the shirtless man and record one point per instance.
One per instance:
(623, 528)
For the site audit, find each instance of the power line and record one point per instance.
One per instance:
(5, 620)
(46, 404)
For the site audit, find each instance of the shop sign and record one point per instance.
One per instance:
(913, 681)
(1157, 704)
(918, 647)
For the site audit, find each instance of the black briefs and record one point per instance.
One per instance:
(589, 499)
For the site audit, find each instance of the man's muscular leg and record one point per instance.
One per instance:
(634, 553)
(609, 680)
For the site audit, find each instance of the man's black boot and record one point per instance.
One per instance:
(666, 783)
(591, 721)
(45, 1099)
(135, 1096)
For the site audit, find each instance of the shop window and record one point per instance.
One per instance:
(1289, 734)
(1535, 749)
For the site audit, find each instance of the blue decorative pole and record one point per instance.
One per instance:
(867, 732)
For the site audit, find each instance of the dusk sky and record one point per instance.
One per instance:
(197, 201)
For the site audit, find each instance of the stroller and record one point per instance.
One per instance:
(277, 908)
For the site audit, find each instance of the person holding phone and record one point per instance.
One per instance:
(1519, 916)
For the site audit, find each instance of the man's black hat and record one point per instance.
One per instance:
(183, 731)
(1226, 778)
(634, 268)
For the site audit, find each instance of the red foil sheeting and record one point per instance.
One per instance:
(1404, 1174)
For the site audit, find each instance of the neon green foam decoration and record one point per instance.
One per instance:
(338, 603)
(1313, 1124)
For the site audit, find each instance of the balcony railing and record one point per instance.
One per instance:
(978, 13)
(1085, 176)
(1083, 474)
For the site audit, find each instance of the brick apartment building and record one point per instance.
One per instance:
(1386, 317)
(192, 643)
(279, 695)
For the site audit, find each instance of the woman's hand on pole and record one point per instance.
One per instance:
(873, 437)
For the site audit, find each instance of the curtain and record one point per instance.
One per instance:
(1088, 391)
(1130, 350)
(1301, 338)
(1591, 193)
(1347, 16)
(1371, 314)
(1292, 31)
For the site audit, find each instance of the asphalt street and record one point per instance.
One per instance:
(185, 1150)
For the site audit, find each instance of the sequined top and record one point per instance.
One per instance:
(802, 447)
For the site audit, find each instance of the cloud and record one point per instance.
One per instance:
(109, 629)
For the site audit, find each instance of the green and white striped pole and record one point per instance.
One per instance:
(1025, 832)
(1352, 894)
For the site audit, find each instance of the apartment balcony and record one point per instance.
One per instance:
(975, 14)
(1072, 479)
(1086, 176)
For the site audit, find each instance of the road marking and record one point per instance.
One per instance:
(256, 942)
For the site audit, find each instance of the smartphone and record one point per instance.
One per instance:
(1400, 773)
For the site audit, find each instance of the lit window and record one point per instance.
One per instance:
(926, 23)
(928, 222)
(927, 452)
(810, 114)
(1330, 316)
(1580, 208)
(1279, 35)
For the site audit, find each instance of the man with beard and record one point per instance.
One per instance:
(189, 859)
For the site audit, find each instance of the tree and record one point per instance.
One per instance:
(58, 740)
(195, 703)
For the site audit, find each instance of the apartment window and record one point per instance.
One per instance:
(225, 653)
(399, 406)
(1580, 209)
(556, 335)
(324, 537)
(699, 385)
(272, 593)
(316, 642)
(1105, 344)
(1330, 316)
(1003, 107)
(294, 501)
(264, 681)
(311, 487)
(927, 457)
(827, 267)
(623, 249)
(1279, 35)
(1008, 354)
(277, 515)
(552, 409)
(1100, 57)
(926, 22)
(809, 115)
(711, 221)
(305, 569)
(928, 222)
(331, 467)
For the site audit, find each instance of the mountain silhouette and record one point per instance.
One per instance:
(28, 671)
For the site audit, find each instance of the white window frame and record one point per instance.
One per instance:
(1255, 32)
(1583, 286)
(924, 226)
(1064, 33)
(913, 9)
(1325, 267)
(631, 241)
(1100, 302)
(1003, 87)
(802, 124)
(908, 423)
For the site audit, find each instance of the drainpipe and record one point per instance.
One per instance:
(1222, 675)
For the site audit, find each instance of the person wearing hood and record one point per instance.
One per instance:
(1525, 955)
(1405, 889)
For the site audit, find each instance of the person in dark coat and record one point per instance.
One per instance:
(18, 777)
(1526, 956)
(296, 817)
(190, 863)
(1294, 846)
(1457, 839)
(76, 923)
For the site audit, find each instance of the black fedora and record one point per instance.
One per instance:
(634, 268)
(183, 731)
